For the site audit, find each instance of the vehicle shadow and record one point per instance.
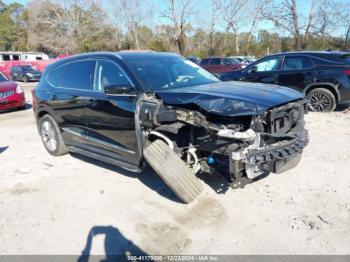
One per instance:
(117, 247)
(2, 149)
(147, 176)
(27, 106)
(216, 181)
(343, 107)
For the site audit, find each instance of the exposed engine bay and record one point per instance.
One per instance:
(242, 148)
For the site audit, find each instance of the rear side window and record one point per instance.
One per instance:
(55, 76)
(79, 75)
(215, 61)
(230, 61)
(296, 63)
(205, 61)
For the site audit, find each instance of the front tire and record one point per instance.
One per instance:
(321, 100)
(51, 136)
(173, 171)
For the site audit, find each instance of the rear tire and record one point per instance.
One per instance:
(321, 100)
(173, 171)
(51, 136)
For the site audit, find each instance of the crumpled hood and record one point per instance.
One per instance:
(231, 98)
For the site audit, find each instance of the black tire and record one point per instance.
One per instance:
(321, 100)
(173, 171)
(53, 133)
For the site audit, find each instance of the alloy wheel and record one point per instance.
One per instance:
(49, 136)
(320, 102)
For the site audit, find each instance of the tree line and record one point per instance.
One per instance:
(190, 27)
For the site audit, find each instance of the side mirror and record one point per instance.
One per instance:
(119, 90)
(253, 69)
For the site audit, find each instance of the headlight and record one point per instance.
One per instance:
(19, 90)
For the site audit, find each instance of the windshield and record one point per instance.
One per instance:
(2, 78)
(164, 73)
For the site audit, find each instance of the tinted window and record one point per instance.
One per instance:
(215, 61)
(78, 75)
(205, 61)
(15, 57)
(109, 74)
(164, 73)
(55, 76)
(267, 65)
(230, 61)
(2, 78)
(296, 63)
(6, 57)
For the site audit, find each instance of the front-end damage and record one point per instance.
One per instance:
(241, 145)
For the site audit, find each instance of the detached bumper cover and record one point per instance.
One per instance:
(276, 158)
(278, 151)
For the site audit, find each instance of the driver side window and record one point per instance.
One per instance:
(268, 65)
(109, 74)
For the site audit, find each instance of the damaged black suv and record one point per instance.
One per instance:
(129, 108)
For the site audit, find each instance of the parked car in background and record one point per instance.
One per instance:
(241, 59)
(24, 73)
(129, 108)
(11, 94)
(221, 65)
(250, 59)
(22, 56)
(324, 77)
(194, 59)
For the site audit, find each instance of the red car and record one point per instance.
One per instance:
(11, 94)
(221, 65)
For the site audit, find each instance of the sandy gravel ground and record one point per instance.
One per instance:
(70, 205)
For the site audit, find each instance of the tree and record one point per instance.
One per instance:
(234, 14)
(12, 26)
(179, 13)
(68, 26)
(286, 16)
(129, 15)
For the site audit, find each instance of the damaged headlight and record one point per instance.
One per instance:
(226, 106)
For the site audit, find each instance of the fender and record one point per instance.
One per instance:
(45, 108)
(333, 86)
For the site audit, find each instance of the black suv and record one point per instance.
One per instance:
(324, 77)
(24, 73)
(128, 108)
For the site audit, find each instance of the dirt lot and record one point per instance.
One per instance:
(70, 205)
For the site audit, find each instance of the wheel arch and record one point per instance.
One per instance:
(329, 86)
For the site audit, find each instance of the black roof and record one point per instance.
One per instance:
(122, 55)
(314, 53)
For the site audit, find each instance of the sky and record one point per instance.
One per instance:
(202, 7)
